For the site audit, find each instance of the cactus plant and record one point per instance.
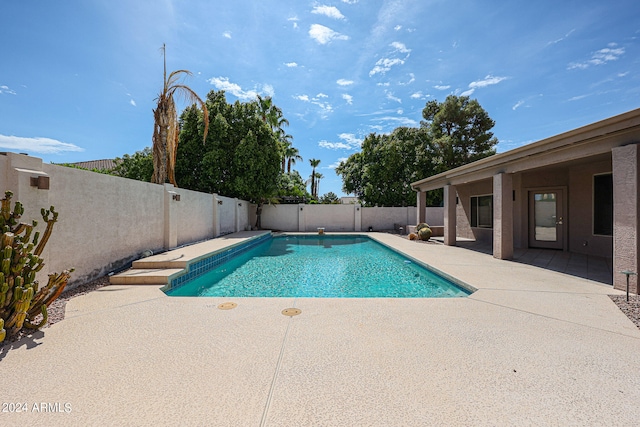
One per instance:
(424, 233)
(421, 226)
(20, 300)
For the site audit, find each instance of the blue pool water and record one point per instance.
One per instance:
(319, 266)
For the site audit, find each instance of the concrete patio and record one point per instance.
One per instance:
(531, 346)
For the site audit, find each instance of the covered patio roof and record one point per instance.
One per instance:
(591, 140)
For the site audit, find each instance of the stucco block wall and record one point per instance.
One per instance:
(280, 217)
(463, 210)
(581, 237)
(105, 221)
(227, 214)
(196, 213)
(385, 218)
(331, 217)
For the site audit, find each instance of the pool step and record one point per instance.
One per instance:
(157, 269)
(144, 276)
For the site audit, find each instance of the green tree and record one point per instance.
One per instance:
(460, 131)
(165, 124)
(452, 134)
(137, 166)
(329, 198)
(314, 163)
(241, 155)
(291, 184)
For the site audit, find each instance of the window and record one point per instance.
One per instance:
(603, 205)
(482, 211)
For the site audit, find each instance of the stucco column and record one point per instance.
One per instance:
(626, 199)
(421, 205)
(357, 223)
(170, 218)
(449, 215)
(216, 216)
(503, 216)
(301, 221)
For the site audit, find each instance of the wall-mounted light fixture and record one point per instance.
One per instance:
(300, 208)
(358, 208)
(176, 197)
(219, 202)
(42, 182)
(239, 204)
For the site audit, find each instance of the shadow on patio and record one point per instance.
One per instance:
(598, 269)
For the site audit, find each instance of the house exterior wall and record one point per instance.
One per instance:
(463, 211)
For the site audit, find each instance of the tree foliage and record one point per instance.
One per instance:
(453, 133)
(137, 166)
(240, 157)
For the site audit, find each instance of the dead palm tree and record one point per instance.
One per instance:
(166, 127)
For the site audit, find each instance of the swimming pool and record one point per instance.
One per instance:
(328, 266)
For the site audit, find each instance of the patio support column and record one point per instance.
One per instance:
(626, 200)
(421, 215)
(503, 216)
(450, 215)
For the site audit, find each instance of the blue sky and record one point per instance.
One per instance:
(78, 79)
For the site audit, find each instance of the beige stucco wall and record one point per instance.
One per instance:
(386, 218)
(196, 213)
(463, 210)
(105, 221)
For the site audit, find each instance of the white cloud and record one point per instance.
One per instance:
(412, 78)
(442, 87)
(322, 95)
(384, 64)
(400, 111)
(337, 163)
(400, 47)
(334, 145)
(330, 11)
(467, 92)
(347, 98)
(36, 145)
(487, 81)
(133, 102)
(350, 1)
(348, 142)
(577, 98)
(399, 121)
(344, 82)
(295, 20)
(393, 98)
(561, 38)
(226, 34)
(397, 27)
(600, 57)
(304, 98)
(223, 83)
(291, 64)
(7, 90)
(418, 95)
(324, 35)
(518, 105)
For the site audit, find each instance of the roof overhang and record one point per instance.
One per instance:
(591, 140)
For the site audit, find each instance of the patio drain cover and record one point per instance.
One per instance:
(227, 305)
(291, 312)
